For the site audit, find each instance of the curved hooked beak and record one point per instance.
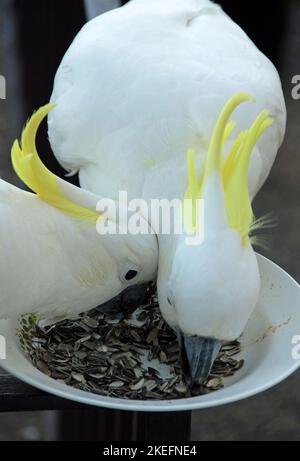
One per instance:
(198, 356)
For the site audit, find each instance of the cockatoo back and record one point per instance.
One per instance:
(142, 84)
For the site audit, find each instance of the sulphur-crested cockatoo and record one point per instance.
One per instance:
(139, 88)
(53, 260)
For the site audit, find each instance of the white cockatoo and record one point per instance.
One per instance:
(53, 260)
(139, 88)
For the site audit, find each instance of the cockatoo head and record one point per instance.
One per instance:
(208, 287)
(102, 261)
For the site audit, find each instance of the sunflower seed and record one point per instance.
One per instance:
(43, 367)
(137, 386)
(215, 383)
(79, 378)
(181, 388)
(116, 384)
(104, 353)
(90, 322)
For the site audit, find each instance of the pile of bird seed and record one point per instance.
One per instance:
(129, 355)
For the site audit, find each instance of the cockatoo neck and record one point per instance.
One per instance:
(214, 216)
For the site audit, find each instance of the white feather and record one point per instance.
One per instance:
(54, 265)
(145, 83)
(140, 86)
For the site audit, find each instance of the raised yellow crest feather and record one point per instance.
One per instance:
(234, 170)
(37, 177)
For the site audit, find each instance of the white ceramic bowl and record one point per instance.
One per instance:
(266, 347)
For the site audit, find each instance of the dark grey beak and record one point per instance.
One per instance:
(198, 356)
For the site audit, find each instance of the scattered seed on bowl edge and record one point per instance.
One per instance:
(128, 355)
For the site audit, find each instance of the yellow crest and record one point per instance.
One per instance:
(234, 170)
(37, 177)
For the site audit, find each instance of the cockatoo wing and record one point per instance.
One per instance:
(142, 84)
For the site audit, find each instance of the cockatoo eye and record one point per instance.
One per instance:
(129, 272)
(131, 275)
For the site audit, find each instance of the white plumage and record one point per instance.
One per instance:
(142, 84)
(56, 266)
(137, 89)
